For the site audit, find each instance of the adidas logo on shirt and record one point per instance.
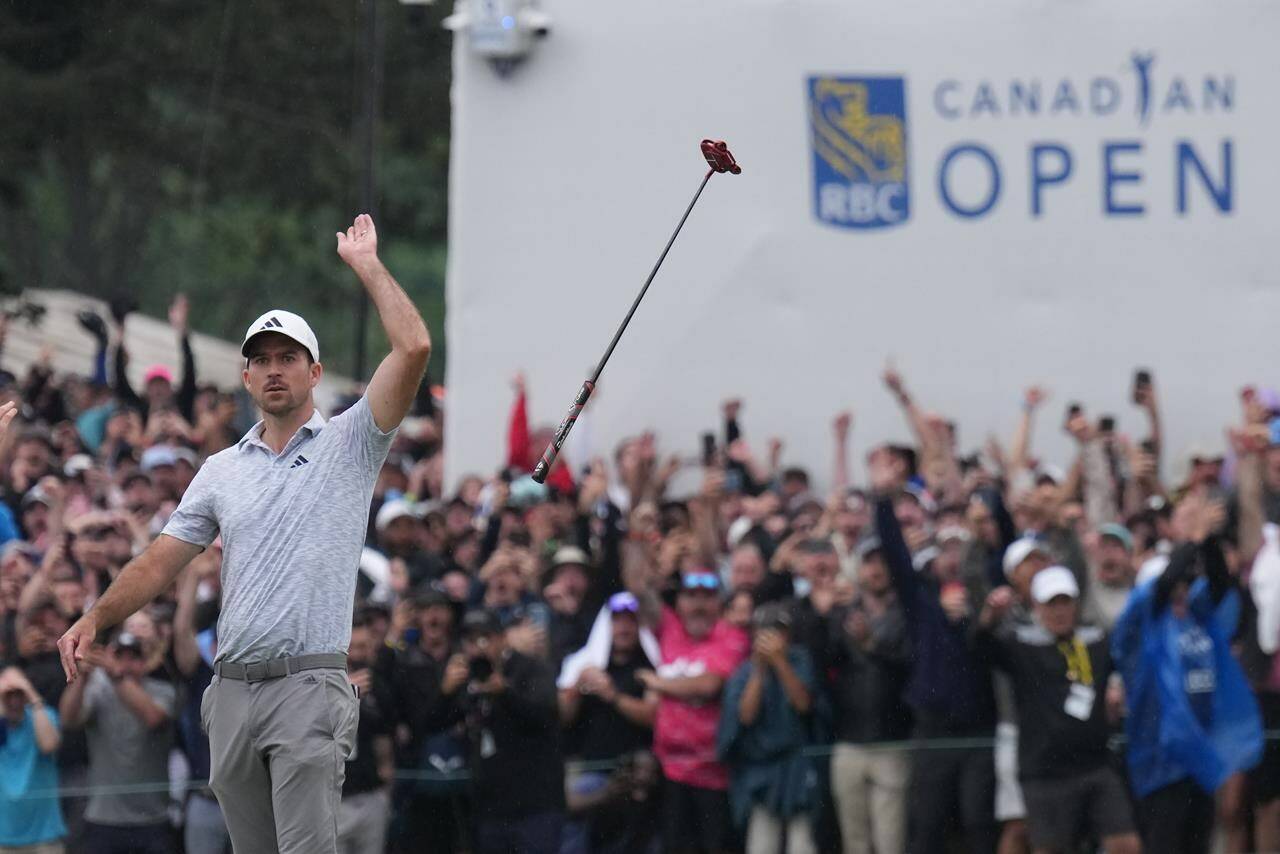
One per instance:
(300, 461)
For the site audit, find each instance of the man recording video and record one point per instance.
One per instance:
(508, 702)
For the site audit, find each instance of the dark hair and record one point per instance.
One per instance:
(772, 615)
(796, 474)
(368, 613)
(35, 434)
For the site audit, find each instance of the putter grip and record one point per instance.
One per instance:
(543, 468)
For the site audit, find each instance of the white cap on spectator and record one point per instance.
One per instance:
(1051, 471)
(391, 511)
(950, 533)
(1054, 581)
(36, 495)
(739, 529)
(285, 323)
(77, 464)
(1020, 550)
(158, 455)
(1151, 568)
(570, 556)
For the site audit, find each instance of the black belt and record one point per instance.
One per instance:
(276, 668)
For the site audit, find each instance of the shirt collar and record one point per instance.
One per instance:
(254, 437)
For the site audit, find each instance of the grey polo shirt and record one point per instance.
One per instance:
(292, 526)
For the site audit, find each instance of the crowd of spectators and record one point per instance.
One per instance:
(972, 652)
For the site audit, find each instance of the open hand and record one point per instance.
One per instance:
(178, 313)
(359, 245)
(841, 423)
(892, 379)
(7, 411)
(885, 471)
(75, 645)
(362, 679)
(769, 647)
(999, 601)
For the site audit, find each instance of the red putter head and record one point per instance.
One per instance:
(718, 156)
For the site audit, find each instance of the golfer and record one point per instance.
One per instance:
(291, 502)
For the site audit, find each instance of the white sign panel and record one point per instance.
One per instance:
(994, 194)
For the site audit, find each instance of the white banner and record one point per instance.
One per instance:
(992, 193)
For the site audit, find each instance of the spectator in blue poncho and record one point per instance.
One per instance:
(1192, 721)
(764, 728)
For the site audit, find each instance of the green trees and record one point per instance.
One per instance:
(212, 147)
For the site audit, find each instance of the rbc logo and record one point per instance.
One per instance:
(859, 132)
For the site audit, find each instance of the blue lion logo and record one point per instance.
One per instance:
(858, 128)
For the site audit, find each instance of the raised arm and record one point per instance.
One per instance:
(1249, 490)
(1100, 504)
(639, 577)
(915, 418)
(395, 382)
(885, 478)
(840, 427)
(186, 395)
(1146, 398)
(120, 380)
(1020, 452)
(141, 580)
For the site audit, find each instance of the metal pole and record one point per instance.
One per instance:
(368, 183)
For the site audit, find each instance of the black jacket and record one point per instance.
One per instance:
(868, 684)
(517, 766)
(1062, 721)
(950, 686)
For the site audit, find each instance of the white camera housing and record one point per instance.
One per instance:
(503, 30)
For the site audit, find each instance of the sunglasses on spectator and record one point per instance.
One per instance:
(623, 603)
(701, 581)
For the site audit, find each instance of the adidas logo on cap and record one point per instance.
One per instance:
(284, 323)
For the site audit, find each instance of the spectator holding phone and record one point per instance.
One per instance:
(871, 662)
(509, 708)
(29, 740)
(764, 729)
(127, 715)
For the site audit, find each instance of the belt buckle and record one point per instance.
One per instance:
(256, 672)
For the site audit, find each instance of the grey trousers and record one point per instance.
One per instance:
(278, 752)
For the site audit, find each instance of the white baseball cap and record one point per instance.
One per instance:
(391, 511)
(1020, 550)
(287, 324)
(1054, 581)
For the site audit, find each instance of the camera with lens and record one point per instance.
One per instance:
(479, 669)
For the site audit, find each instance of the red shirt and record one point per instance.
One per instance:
(685, 733)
